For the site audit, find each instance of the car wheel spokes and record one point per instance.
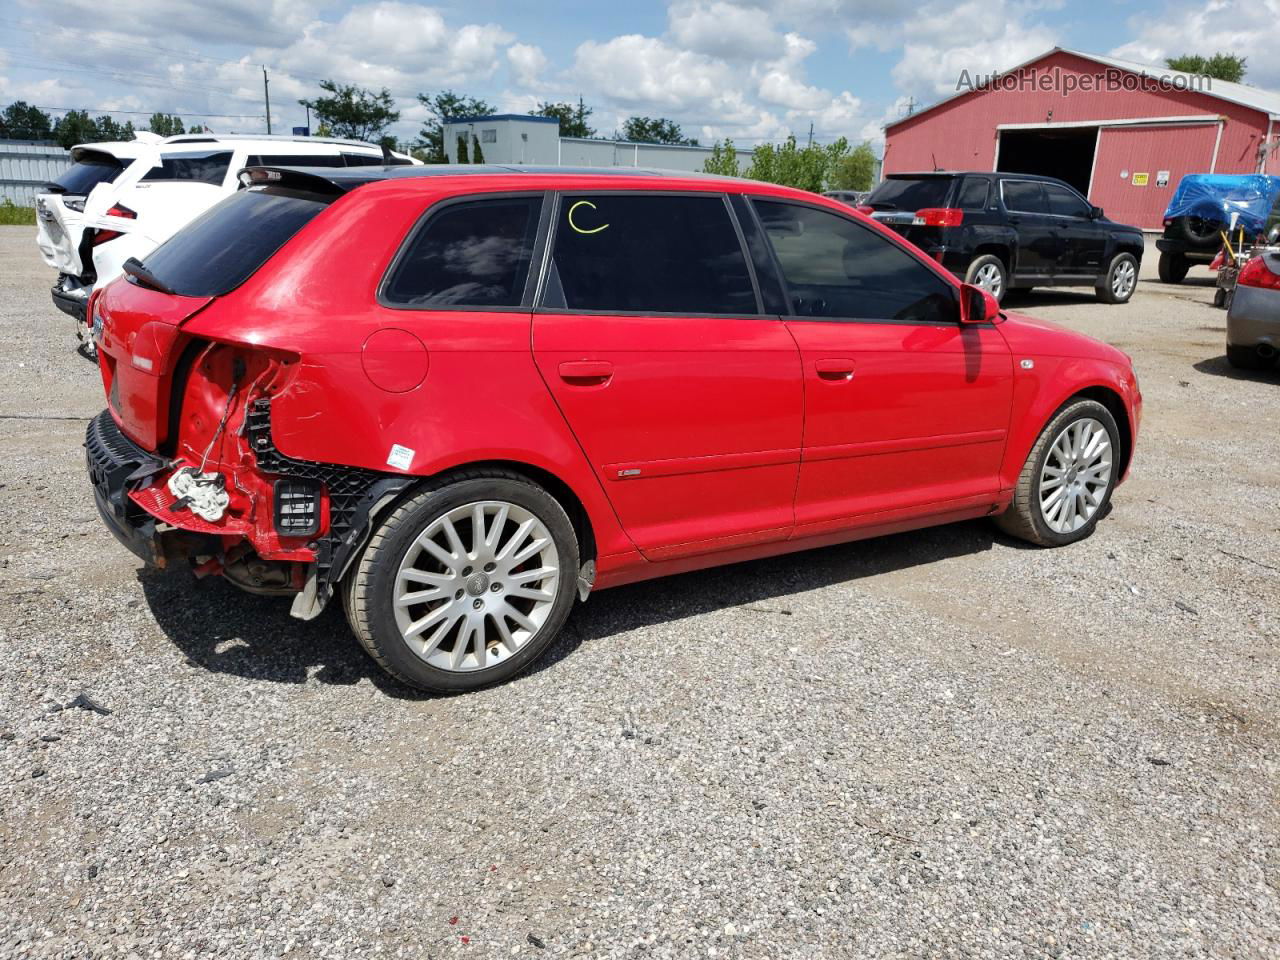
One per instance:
(476, 585)
(1075, 476)
(1123, 281)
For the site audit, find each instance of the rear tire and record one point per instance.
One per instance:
(444, 597)
(1245, 358)
(1173, 267)
(989, 272)
(1120, 281)
(1038, 512)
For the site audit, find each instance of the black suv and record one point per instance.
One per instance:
(1006, 231)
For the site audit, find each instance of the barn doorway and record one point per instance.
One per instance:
(1065, 153)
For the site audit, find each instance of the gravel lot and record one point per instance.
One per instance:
(935, 744)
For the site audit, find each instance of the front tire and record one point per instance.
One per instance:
(1173, 267)
(1067, 481)
(1120, 280)
(1245, 358)
(466, 583)
(989, 273)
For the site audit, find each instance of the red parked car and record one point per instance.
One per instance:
(459, 399)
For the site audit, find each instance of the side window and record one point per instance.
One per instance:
(200, 167)
(638, 253)
(973, 195)
(1065, 203)
(838, 269)
(471, 254)
(294, 160)
(360, 160)
(1024, 196)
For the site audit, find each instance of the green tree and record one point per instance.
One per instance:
(655, 130)
(855, 170)
(806, 168)
(166, 125)
(21, 121)
(75, 126)
(354, 112)
(573, 118)
(463, 156)
(477, 154)
(441, 107)
(723, 160)
(1221, 66)
(108, 128)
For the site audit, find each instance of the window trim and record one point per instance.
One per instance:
(944, 275)
(541, 308)
(427, 215)
(1071, 190)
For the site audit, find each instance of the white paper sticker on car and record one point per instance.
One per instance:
(399, 457)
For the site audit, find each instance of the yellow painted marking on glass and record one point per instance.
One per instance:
(578, 229)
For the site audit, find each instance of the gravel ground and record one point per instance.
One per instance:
(935, 744)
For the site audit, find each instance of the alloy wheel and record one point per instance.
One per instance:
(1123, 279)
(476, 585)
(1076, 475)
(989, 279)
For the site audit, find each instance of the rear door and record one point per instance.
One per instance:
(906, 409)
(1041, 240)
(684, 396)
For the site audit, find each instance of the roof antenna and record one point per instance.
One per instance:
(934, 158)
(387, 160)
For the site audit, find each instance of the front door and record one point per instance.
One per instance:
(906, 410)
(1041, 243)
(1085, 240)
(686, 400)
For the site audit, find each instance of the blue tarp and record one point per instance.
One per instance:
(1215, 196)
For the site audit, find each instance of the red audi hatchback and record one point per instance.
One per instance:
(460, 397)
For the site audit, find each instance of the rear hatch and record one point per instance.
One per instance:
(912, 204)
(137, 319)
(60, 208)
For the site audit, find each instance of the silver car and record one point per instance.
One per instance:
(1253, 322)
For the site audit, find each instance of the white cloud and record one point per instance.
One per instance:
(527, 63)
(1243, 27)
(734, 31)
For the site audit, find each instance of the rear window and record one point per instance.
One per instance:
(199, 167)
(87, 173)
(222, 248)
(903, 193)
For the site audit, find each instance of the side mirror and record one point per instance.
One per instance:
(977, 305)
(1095, 213)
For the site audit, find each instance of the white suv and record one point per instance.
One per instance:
(122, 200)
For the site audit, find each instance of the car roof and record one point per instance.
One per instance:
(990, 174)
(346, 179)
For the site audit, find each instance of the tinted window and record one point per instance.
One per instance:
(973, 195)
(1065, 203)
(90, 171)
(899, 193)
(649, 254)
(294, 160)
(838, 269)
(202, 168)
(473, 254)
(1025, 196)
(222, 247)
(362, 160)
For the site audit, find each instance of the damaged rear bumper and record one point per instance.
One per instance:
(116, 466)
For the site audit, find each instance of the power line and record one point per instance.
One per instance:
(148, 113)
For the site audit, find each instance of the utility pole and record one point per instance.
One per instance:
(266, 95)
(810, 133)
(308, 106)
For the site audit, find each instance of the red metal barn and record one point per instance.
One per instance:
(1121, 132)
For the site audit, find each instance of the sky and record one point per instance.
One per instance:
(753, 70)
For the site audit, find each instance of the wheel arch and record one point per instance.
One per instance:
(1115, 406)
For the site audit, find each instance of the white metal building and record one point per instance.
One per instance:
(515, 138)
(26, 167)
